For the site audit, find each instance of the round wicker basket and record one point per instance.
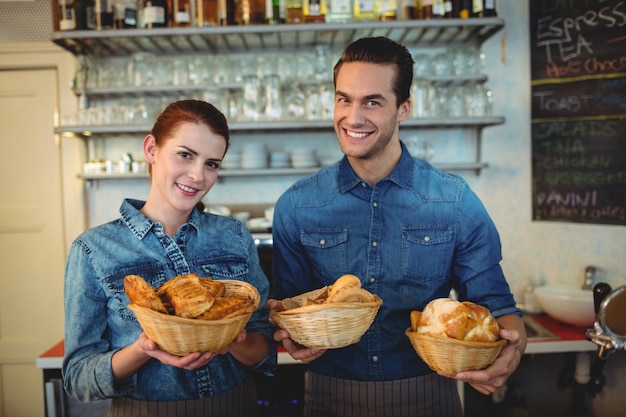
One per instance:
(443, 354)
(327, 326)
(181, 336)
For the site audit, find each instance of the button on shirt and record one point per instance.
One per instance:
(98, 322)
(410, 238)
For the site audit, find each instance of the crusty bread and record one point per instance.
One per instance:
(457, 320)
(139, 292)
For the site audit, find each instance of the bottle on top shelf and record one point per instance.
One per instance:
(387, 10)
(84, 14)
(339, 11)
(465, 8)
(154, 14)
(295, 12)
(489, 8)
(274, 12)
(447, 9)
(365, 10)
(439, 9)
(66, 19)
(207, 12)
(314, 11)
(426, 9)
(125, 14)
(257, 12)
(183, 12)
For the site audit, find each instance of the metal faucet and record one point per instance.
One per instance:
(590, 277)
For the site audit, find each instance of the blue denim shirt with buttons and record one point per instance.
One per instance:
(98, 322)
(410, 238)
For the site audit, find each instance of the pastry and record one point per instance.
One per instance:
(139, 292)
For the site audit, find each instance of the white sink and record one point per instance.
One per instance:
(569, 305)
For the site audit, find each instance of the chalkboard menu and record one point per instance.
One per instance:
(578, 71)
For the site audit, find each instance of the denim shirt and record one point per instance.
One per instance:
(98, 322)
(410, 238)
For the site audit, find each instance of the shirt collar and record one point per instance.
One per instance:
(140, 225)
(402, 173)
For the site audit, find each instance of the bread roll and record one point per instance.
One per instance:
(341, 284)
(457, 320)
(352, 295)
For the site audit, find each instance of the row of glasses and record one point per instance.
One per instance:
(459, 61)
(462, 100)
(147, 69)
(129, 111)
(269, 99)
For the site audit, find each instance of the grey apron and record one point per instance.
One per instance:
(237, 402)
(424, 396)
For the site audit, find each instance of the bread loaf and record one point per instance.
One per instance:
(456, 320)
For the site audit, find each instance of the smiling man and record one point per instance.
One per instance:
(409, 231)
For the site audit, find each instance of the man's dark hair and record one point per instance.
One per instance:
(382, 50)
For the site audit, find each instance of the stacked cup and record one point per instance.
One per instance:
(254, 156)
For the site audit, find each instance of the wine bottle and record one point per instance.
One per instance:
(439, 9)
(181, 13)
(465, 9)
(365, 10)
(315, 11)
(274, 12)
(295, 13)
(257, 12)
(477, 8)
(427, 9)
(447, 9)
(339, 11)
(388, 10)
(489, 8)
(207, 12)
(67, 17)
(83, 10)
(155, 14)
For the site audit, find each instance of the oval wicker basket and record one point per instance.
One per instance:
(181, 336)
(443, 354)
(327, 326)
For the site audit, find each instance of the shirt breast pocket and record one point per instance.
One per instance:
(225, 268)
(426, 253)
(328, 251)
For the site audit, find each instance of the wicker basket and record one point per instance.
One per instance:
(327, 326)
(443, 354)
(181, 336)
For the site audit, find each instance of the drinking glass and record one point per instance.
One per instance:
(271, 90)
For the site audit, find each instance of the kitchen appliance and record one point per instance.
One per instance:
(609, 329)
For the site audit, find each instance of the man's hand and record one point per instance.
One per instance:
(488, 380)
(297, 351)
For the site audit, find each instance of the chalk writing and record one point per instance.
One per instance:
(564, 37)
(578, 107)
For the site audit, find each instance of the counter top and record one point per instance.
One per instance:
(53, 357)
(569, 339)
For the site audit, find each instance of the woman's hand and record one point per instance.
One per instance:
(189, 362)
(297, 351)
